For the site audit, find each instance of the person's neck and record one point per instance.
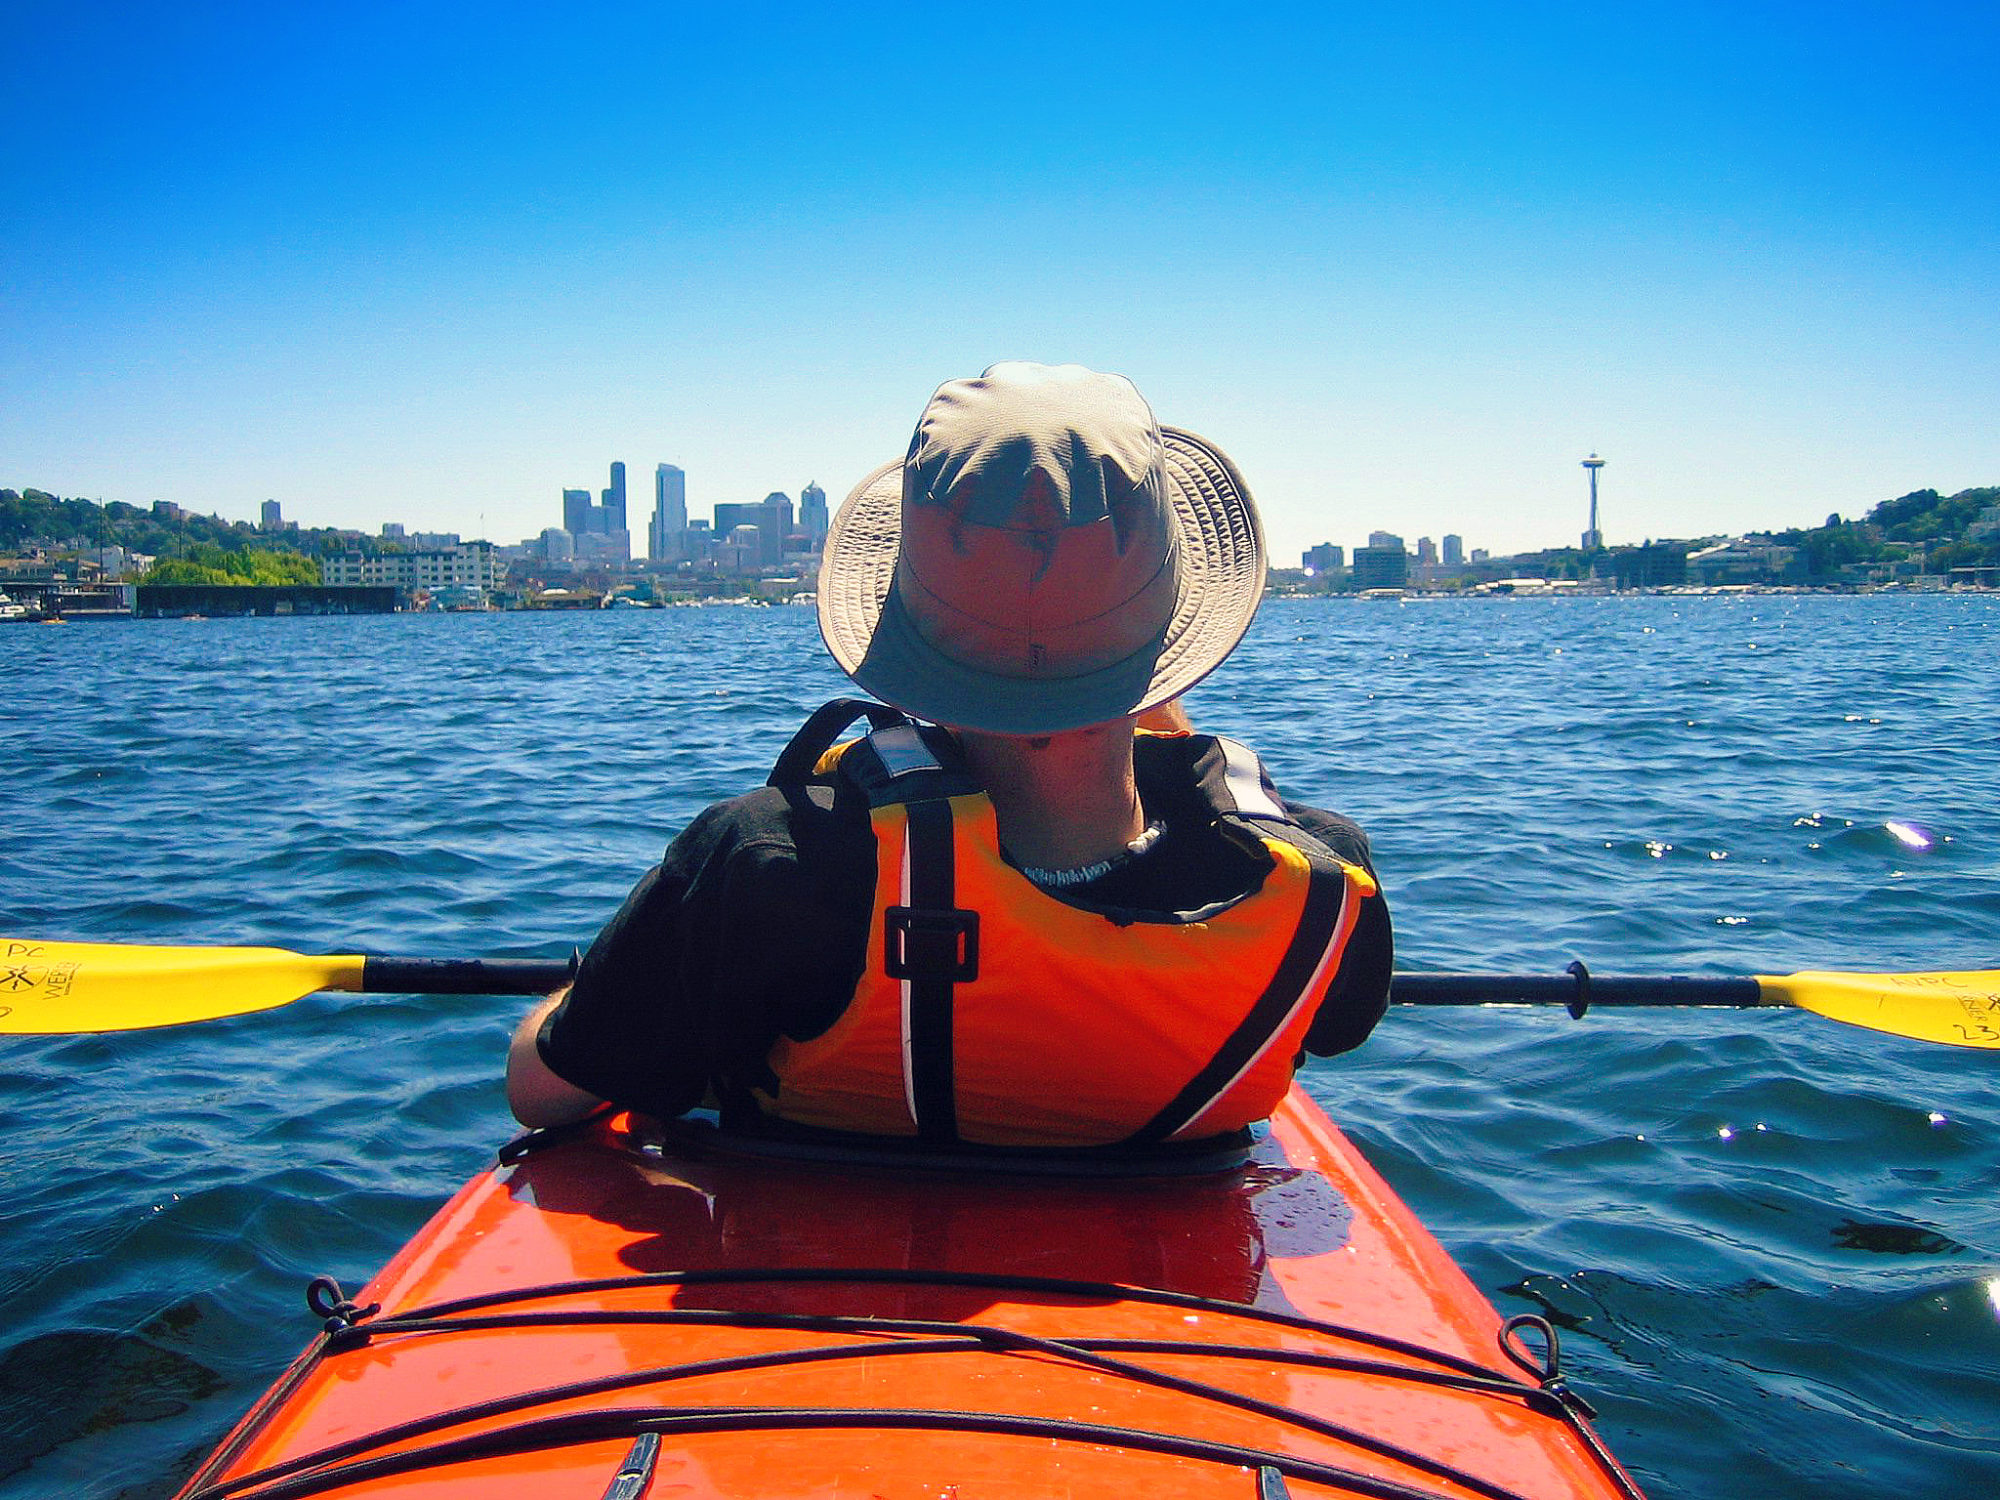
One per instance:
(1062, 801)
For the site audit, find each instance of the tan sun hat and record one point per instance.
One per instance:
(1046, 556)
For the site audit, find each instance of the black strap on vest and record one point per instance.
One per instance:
(932, 946)
(1326, 894)
(817, 734)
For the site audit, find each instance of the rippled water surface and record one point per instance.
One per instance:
(1773, 1241)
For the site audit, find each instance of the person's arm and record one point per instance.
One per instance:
(717, 949)
(1358, 995)
(535, 1093)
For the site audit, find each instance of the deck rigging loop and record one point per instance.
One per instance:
(1571, 1407)
(339, 1314)
(1546, 1367)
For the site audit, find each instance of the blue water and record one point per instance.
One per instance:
(1773, 1241)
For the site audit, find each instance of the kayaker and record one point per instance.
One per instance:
(1064, 920)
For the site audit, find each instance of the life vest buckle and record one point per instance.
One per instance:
(920, 944)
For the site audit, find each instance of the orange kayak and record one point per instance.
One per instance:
(626, 1311)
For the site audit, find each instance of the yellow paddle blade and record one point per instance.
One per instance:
(1962, 1009)
(70, 987)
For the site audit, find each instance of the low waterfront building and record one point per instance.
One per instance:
(563, 599)
(470, 565)
(59, 597)
(216, 600)
(1741, 560)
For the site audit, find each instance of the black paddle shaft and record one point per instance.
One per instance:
(544, 976)
(466, 976)
(1574, 989)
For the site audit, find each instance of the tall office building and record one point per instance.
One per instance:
(274, 518)
(1454, 551)
(599, 530)
(775, 526)
(734, 524)
(1380, 539)
(812, 514)
(772, 516)
(666, 534)
(1427, 552)
(614, 500)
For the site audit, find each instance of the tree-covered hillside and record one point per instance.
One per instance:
(35, 518)
(1946, 528)
(1929, 517)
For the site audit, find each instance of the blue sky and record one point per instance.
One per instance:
(433, 262)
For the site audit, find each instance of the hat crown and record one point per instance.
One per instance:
(1030, 447)
(1045, 556)
(1036, 536)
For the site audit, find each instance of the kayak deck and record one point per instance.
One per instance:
(707, 1321)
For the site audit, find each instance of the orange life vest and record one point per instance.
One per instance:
(993, 1012)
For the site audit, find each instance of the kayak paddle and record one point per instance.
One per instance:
(75, 987)
(48, 988)
(1961, 1008)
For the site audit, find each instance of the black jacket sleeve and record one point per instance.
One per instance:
(1359, 994)
(752, 926)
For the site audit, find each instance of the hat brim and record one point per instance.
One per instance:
(1220, 585)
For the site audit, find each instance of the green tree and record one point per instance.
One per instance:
(209, 564)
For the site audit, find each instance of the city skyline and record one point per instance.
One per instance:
(581, 517)
(1397, 264)
(671, 517)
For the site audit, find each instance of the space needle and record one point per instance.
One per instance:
(1593, 539)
